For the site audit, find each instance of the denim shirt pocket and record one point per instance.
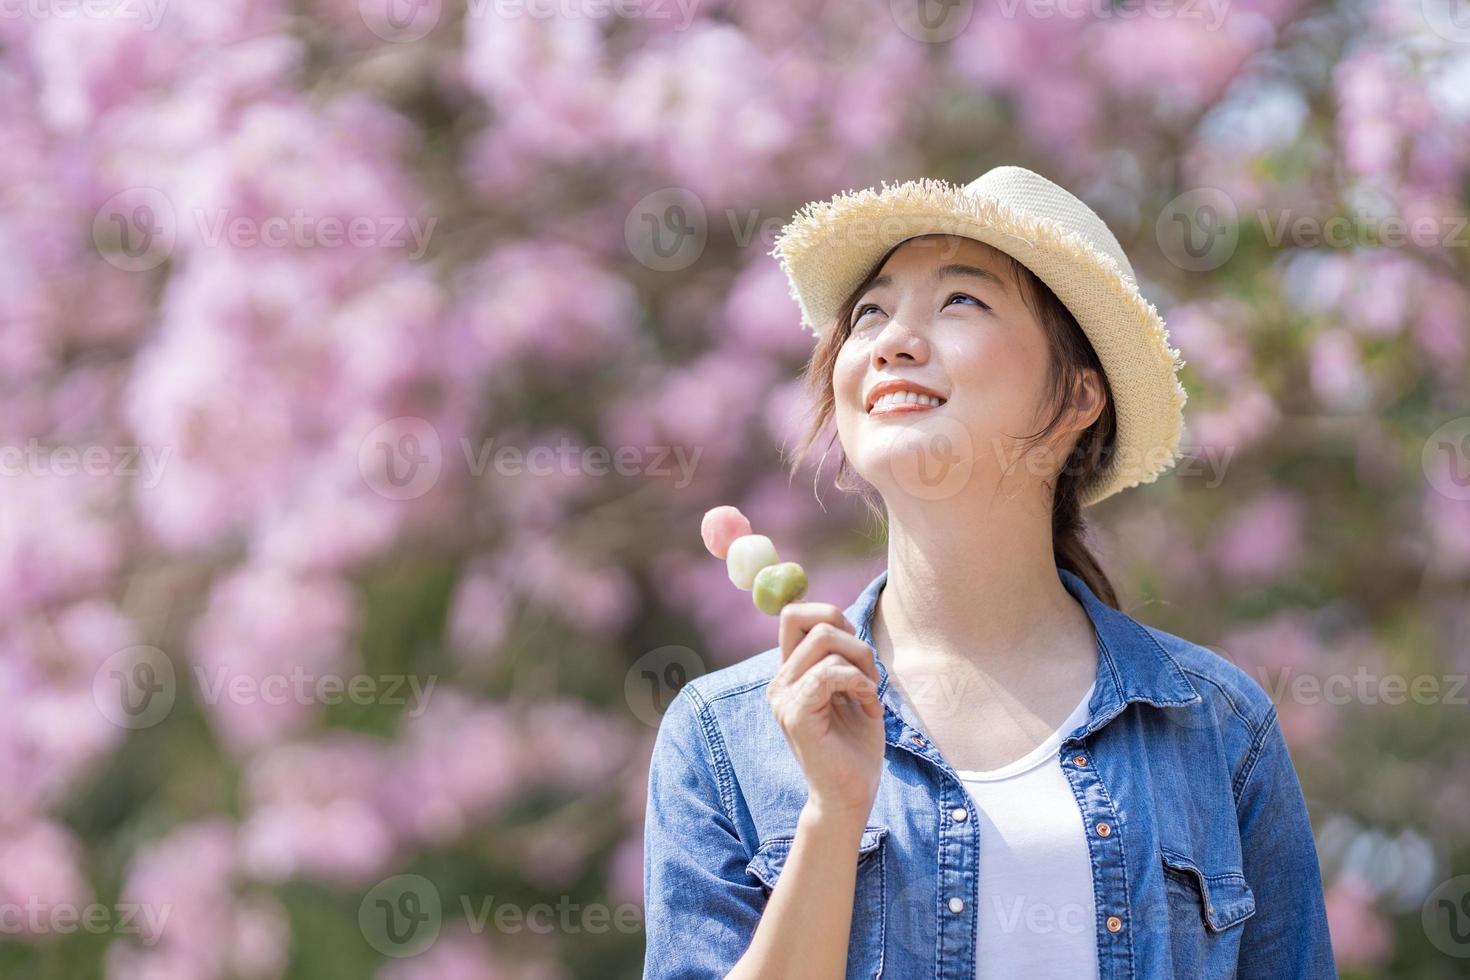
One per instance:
(1206, 908)
(1223, 899)
(865, 945)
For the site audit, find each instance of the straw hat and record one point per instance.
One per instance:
(831, 246)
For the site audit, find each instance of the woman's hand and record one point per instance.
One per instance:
(825, 697)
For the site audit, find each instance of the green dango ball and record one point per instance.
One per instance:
(776, 585)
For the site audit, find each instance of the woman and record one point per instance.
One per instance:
(981, 767)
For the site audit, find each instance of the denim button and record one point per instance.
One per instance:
(1103, 830)
(956, 904)
(1114, 923)
(960, 814)
(1080, 760)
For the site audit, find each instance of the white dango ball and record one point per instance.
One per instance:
(748, 554)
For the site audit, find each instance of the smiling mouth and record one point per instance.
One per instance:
(904, 402)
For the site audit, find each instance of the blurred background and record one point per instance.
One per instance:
(367, 366)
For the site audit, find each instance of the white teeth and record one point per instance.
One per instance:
(906, 398)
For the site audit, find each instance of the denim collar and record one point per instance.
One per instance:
(1131, 665)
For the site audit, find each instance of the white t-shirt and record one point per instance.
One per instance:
(1036, 909)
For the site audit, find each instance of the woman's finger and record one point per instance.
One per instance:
(833, 676)
(798, 618)
(821, 640)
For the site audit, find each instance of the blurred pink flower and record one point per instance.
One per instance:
(90, 65)
(704, 406)
(576, 748)
(313, 810)
(1447, 521)
(260, 370)
(1337, 373)
(698, 586)
(1440, 331)
(596, 599)
(789, 410)
(547, 78)
(454, 766)
(625, 876)
(1212, 334)
(709, 109)
(54, 731)
(543, 304)
(263, 630)
(58, 533)
(1244, 415)
(41, 880)
(760, 313)
(331, 523)
(1284, 655)
(553, 855)
(1161, 544)
(1367, 126)
(195, 922)
(479, 616)
(1360, 934)
(457, 954)
(535, 479)
(1261, 539)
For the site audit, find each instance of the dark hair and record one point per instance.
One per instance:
(1071, 354)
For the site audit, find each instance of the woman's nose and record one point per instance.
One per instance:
(899, 342)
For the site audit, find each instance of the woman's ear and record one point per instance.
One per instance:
(1088, 394)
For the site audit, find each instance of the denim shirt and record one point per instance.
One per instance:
(1203, 861)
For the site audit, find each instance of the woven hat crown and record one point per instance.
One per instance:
(1029, 192)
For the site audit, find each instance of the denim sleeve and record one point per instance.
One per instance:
(1287, 938)
(701, 907)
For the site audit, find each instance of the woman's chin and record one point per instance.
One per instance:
(922, 462)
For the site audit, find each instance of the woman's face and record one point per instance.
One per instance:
(945, 316)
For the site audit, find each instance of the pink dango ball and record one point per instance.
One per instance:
(720, 526)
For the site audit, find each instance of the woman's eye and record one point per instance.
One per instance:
(862, 311)
(968, 297)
